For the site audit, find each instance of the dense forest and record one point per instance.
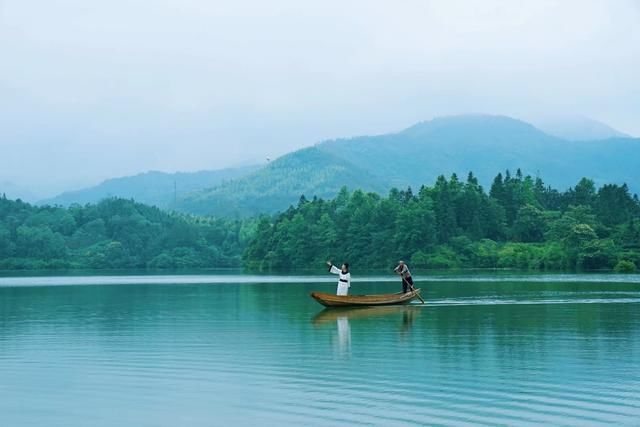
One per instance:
(520, 223)
(115, 233)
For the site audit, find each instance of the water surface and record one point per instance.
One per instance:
(256, 350)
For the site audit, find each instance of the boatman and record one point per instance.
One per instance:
(403, 271)
(344, 277)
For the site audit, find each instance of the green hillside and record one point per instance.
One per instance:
(310, 171)
(485, 144)
(114, 233)
(153, 188)
(448, 145)
(519, 223)
(416, 156)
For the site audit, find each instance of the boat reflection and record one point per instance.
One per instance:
(329, 315)
(343, 318)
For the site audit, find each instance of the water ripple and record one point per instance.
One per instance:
(257, 354)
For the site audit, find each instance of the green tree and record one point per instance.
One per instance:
(530, 224)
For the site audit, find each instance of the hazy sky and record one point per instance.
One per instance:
(95, 89)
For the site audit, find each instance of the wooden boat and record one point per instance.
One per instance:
(332, 300)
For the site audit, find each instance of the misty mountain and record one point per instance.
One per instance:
(459, 144)
(485, 145)
(311, 171)
(578, 128)
(14, 191)
(153, 188)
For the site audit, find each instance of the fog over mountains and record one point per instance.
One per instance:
(483, 144)
(154, 188)
(577, 128)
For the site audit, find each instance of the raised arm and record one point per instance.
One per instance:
(334, 270)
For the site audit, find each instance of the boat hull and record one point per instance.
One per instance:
(332, 300)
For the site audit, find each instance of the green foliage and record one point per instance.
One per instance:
(484, 253)
(624, 266)
(116, 233)
(442, 258)
(409, 158)
(530, 224)
(519, 224)
(278, 185)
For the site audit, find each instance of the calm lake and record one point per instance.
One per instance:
(224, 350)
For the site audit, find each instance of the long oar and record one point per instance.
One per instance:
(412, 288)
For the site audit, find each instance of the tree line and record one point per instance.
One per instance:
(115, 233)
(520, 223)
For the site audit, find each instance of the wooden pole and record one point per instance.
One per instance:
(412, 288)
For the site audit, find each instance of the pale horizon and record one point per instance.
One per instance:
(91, 93)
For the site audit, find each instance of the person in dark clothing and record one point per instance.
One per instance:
(403, 271)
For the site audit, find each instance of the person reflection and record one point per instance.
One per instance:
(367, 317)
(408, 317)
(344, 335)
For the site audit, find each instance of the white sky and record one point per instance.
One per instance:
(95, 89)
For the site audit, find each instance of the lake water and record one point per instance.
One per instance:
(225, 350)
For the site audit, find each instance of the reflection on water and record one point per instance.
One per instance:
(222, 353)
(408, 316)
(341, 318)
(344, 335)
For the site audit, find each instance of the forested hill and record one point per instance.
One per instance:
(308, 171)
(414, 157)
(153, 188)
(519, 223)
(115, 233)
(485, 144)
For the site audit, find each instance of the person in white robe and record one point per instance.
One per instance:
(344, 277)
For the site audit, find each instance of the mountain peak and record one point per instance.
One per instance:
(489, 128)
(577, 128)
(469, 121)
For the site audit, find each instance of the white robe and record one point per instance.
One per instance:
(344, 281)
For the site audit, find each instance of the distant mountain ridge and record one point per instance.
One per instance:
(456, 144)
(578, 128)
(153, 188)
(310, 171)
(483, 144)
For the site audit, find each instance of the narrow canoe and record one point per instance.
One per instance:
(332, 300)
